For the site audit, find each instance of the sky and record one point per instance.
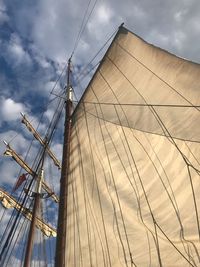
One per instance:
(38, 37)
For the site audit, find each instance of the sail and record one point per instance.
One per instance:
(134, 185)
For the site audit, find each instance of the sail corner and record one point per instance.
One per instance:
(122, 29)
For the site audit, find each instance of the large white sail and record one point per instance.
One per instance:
(134, 185)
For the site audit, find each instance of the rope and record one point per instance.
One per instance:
(81, 29)
(82, 73)
(83, 26)
(140, 105)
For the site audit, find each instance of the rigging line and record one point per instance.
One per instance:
(59, 77)
(161, 79)
(96, 181)
(174, 245)
(74, 228)
(95, 245)
(171, 139)
(86, 194)
(15, 226)
(31, 145)
(81, 171)
(137, 91)
(45, 106)
(24, 127)
(77, 224)
(10, 234)
(164, 171)
(123, 129)
(182, 237)
(44, 206)
(100, 159)
(90, 62)
(194, 197)
(69, 225)
(107, 83)
(118, 200)
(25, 237)
(52, 131)
(83, 26)
(107, 182)
(43, 240)
(156, 169)
(153, 219)
(150, 108)
(129, 180)
(24, 202)
(141, 104)
(149, 246)
(14, 217)
(186, 160)
(59, 96)
(130, 152)
(82, 77)
(115, 218)
(144, 131)
(2, 216)
(54, 119)
(23, 225)
(76, 201)
(139, 205)
(191, 152)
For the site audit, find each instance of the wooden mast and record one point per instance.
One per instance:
(29, 247)
(62, 214)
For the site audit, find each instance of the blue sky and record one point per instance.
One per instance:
(37, 38)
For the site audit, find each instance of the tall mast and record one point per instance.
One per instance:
(62, 213)
(29, 247)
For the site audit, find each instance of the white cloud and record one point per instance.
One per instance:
(3, 13)
(10, 109)
(104, 14)
(39, 57)
(101, 17)
(9, 172)
(179, 15)
(49, 114)
(17, 140)
(16, 52)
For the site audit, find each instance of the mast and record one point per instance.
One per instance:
(62, 214)
(33, 222)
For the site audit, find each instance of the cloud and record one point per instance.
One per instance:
(3, 13)
(15, 51)
(100, 18)
(39, 57)
(10, 109)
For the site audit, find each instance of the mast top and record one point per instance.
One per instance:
(69, 90)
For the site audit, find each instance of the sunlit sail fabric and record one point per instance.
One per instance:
(134, 185)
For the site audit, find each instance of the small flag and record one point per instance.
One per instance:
(20, 180)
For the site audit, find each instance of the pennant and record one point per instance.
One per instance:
(20, 180)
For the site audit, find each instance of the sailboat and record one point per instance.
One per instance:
(130, 172)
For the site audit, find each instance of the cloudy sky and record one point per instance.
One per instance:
(37, 38)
